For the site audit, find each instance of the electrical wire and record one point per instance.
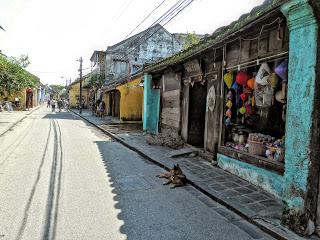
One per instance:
(178, 7)
(144, 18)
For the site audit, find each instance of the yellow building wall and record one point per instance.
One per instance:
(74, 92)
(131, 100)
(22, 97)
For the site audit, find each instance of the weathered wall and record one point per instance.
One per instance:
(131, 100)
(301, 92)
(212, 127)
(74, 93)
(269, 181)
(170, 112)
(151, 106)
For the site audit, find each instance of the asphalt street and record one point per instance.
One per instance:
(60, 178)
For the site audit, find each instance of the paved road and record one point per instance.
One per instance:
(62, 179)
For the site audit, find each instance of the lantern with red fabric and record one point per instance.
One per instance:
(242, 78)
(243, 96)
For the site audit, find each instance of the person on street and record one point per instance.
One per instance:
(53, 105)
(60, 104)
(102, 108)
(48, 103)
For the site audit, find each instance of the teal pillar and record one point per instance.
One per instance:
(151, 106)
(303, 32)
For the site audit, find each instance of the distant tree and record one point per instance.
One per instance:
(13, 76)
(191, 39)
(56, 90)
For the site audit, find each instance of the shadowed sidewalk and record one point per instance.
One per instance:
(249, 201)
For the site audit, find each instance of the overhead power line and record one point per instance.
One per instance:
(145, 18)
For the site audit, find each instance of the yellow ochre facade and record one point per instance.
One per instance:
(131, 100)
(74, 92)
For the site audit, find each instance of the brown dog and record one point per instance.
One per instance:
(176, 170)
(174, 176)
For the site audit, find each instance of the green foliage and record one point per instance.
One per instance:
(56, 90)
(191, 39)
(96, 80)
(13, 76)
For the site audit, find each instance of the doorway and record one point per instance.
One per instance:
(115, 103)
(197, 114)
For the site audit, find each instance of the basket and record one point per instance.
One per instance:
(257, 148)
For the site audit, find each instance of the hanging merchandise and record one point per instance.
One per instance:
(229, 104)
(242, 78)
(229, 95)
(228, 122)
(229, 113)
(263, 95)
(279, 96)
(282, 70)
(273, 80)
(250, 83)
(235, 86)
(242, 110)
(243, 97)
(263, 74)
(248, 109)
(228, 79)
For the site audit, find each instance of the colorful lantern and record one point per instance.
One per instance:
(228, 79)
(235, 86)
(242, 110)
(250, 83)
(282, 70)
(248, 109)
(229, 113)
(229, 95)
(229, 104)
(228, 122)
(243, 97)
(242, 78)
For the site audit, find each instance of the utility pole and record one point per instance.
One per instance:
(80, 95)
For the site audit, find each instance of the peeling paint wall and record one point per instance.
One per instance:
(269, 181)
(131, 100)
(151, 106)
(303, 32)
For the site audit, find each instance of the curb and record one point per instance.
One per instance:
(18, 121)
(265, 227)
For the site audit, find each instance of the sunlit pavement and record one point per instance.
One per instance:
(62, 179)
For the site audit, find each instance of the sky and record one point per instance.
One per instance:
(55, 33)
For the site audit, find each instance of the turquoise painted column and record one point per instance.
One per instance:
(303, 31)
(151, 106)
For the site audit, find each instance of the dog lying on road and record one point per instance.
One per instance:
(174, 176)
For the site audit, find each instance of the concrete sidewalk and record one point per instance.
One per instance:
(9, 119)
(250, 202)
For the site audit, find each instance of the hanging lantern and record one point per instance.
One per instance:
(228, 122)
(229, 104)
(235, 86)
(282, 70)
(243, 97)
(242, 110)
(248, 109)
(229, 95)
(229, 113)
(242, 78)
(227, 78)
(250, 83)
